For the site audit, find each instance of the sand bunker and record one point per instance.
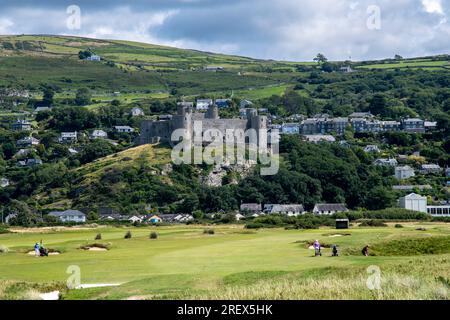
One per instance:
(97, 285)
(96, 249)
(54, 295)
(50, 253)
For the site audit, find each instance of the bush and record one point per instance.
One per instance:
(153, 235)
(98, 236)
(387, 214)
(128, 235)
(398, 225)
(208, 231)
(373, 223)
(3, 230)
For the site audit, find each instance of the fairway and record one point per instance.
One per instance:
(184, 261)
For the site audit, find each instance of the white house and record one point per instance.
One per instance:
(136, 219)
(124, 129)
(385, 162)
(414, 202)
(287, 209)
(137, 112)
(329, 208)
(239, 217)
(404, 172)
(245, 104)
(68, 137)
(203, 104)
(439, 211)
(69, 216)
(98, 134)
(316, 138)
(94, 57)
(431, 168)
(27, 142)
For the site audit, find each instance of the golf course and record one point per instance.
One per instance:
(230, 262)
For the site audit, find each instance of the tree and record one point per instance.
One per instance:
(320, 58)
(97, 149)
(84, 54)
(48, 95)
(379, 198)
(398, 57)
(378, 104)
(83, 97)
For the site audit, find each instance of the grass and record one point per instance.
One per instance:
(264, 264)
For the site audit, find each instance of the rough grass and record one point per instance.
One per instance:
(17, 290)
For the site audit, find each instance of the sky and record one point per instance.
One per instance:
(294, 30)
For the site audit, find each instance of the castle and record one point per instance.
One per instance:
(161, 131)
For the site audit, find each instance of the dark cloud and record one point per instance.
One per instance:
(279, 29)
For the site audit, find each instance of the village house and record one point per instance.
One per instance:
(413, 125)
(414, 202)
(248, 208)
(29, 162)
(223, 103)
(290, 128)
(214, 68)
(404, 172)
(430, 125)
(124, 129)
(391, 125)
(69, 216)
(245, 104)
(239, 217)
(155, 219)
(329, 208)
(27, 142)
(137, 112)
(431, 168)
(41, 109)
(362, 115)
(21, 125)
(385, 162)
(371, 148)
(94, 57)
(98, 134)
(286, 209)
(9, 217)
(22, 153)
(165, 117)
(68, 137)
(203, 104)
(136, 219)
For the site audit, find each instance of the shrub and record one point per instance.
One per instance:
(128, 235)
(98, 236)
(153, 235)
(208, 231)
(373, 223)
(398, 225)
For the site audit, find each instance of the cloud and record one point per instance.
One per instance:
(278, 29)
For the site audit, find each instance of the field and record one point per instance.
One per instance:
(232, 263)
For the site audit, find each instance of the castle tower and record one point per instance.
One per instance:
(212, 113)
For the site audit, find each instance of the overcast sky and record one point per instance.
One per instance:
(271, 29)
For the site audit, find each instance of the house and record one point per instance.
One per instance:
(404, 172)
(214, 68)
(4, 182)
(346, 69)
(239, 216)
(290, 128)
(431, 169)
(385, 162)
(29, 162)
(245, 104)
(223, 103)
(72, 151)
(124, 129)
(430, 125)
(94, 57)
(21, 125)
(371, 148)
(185, 104)
(286, 209)
(98, 134)
(27, 142)
(362, 115)
(329, 208)
(137, 112)
(41, 109)
(155, 219)
(113, 217)
(250, 208)
(69, 216)
(68, 137)
(136, 219)
(316, 138)
(413, 125)
(439, 211)
(391, 125)
(203, 104)
(22, 153)
(165, 117)
(414, 202)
